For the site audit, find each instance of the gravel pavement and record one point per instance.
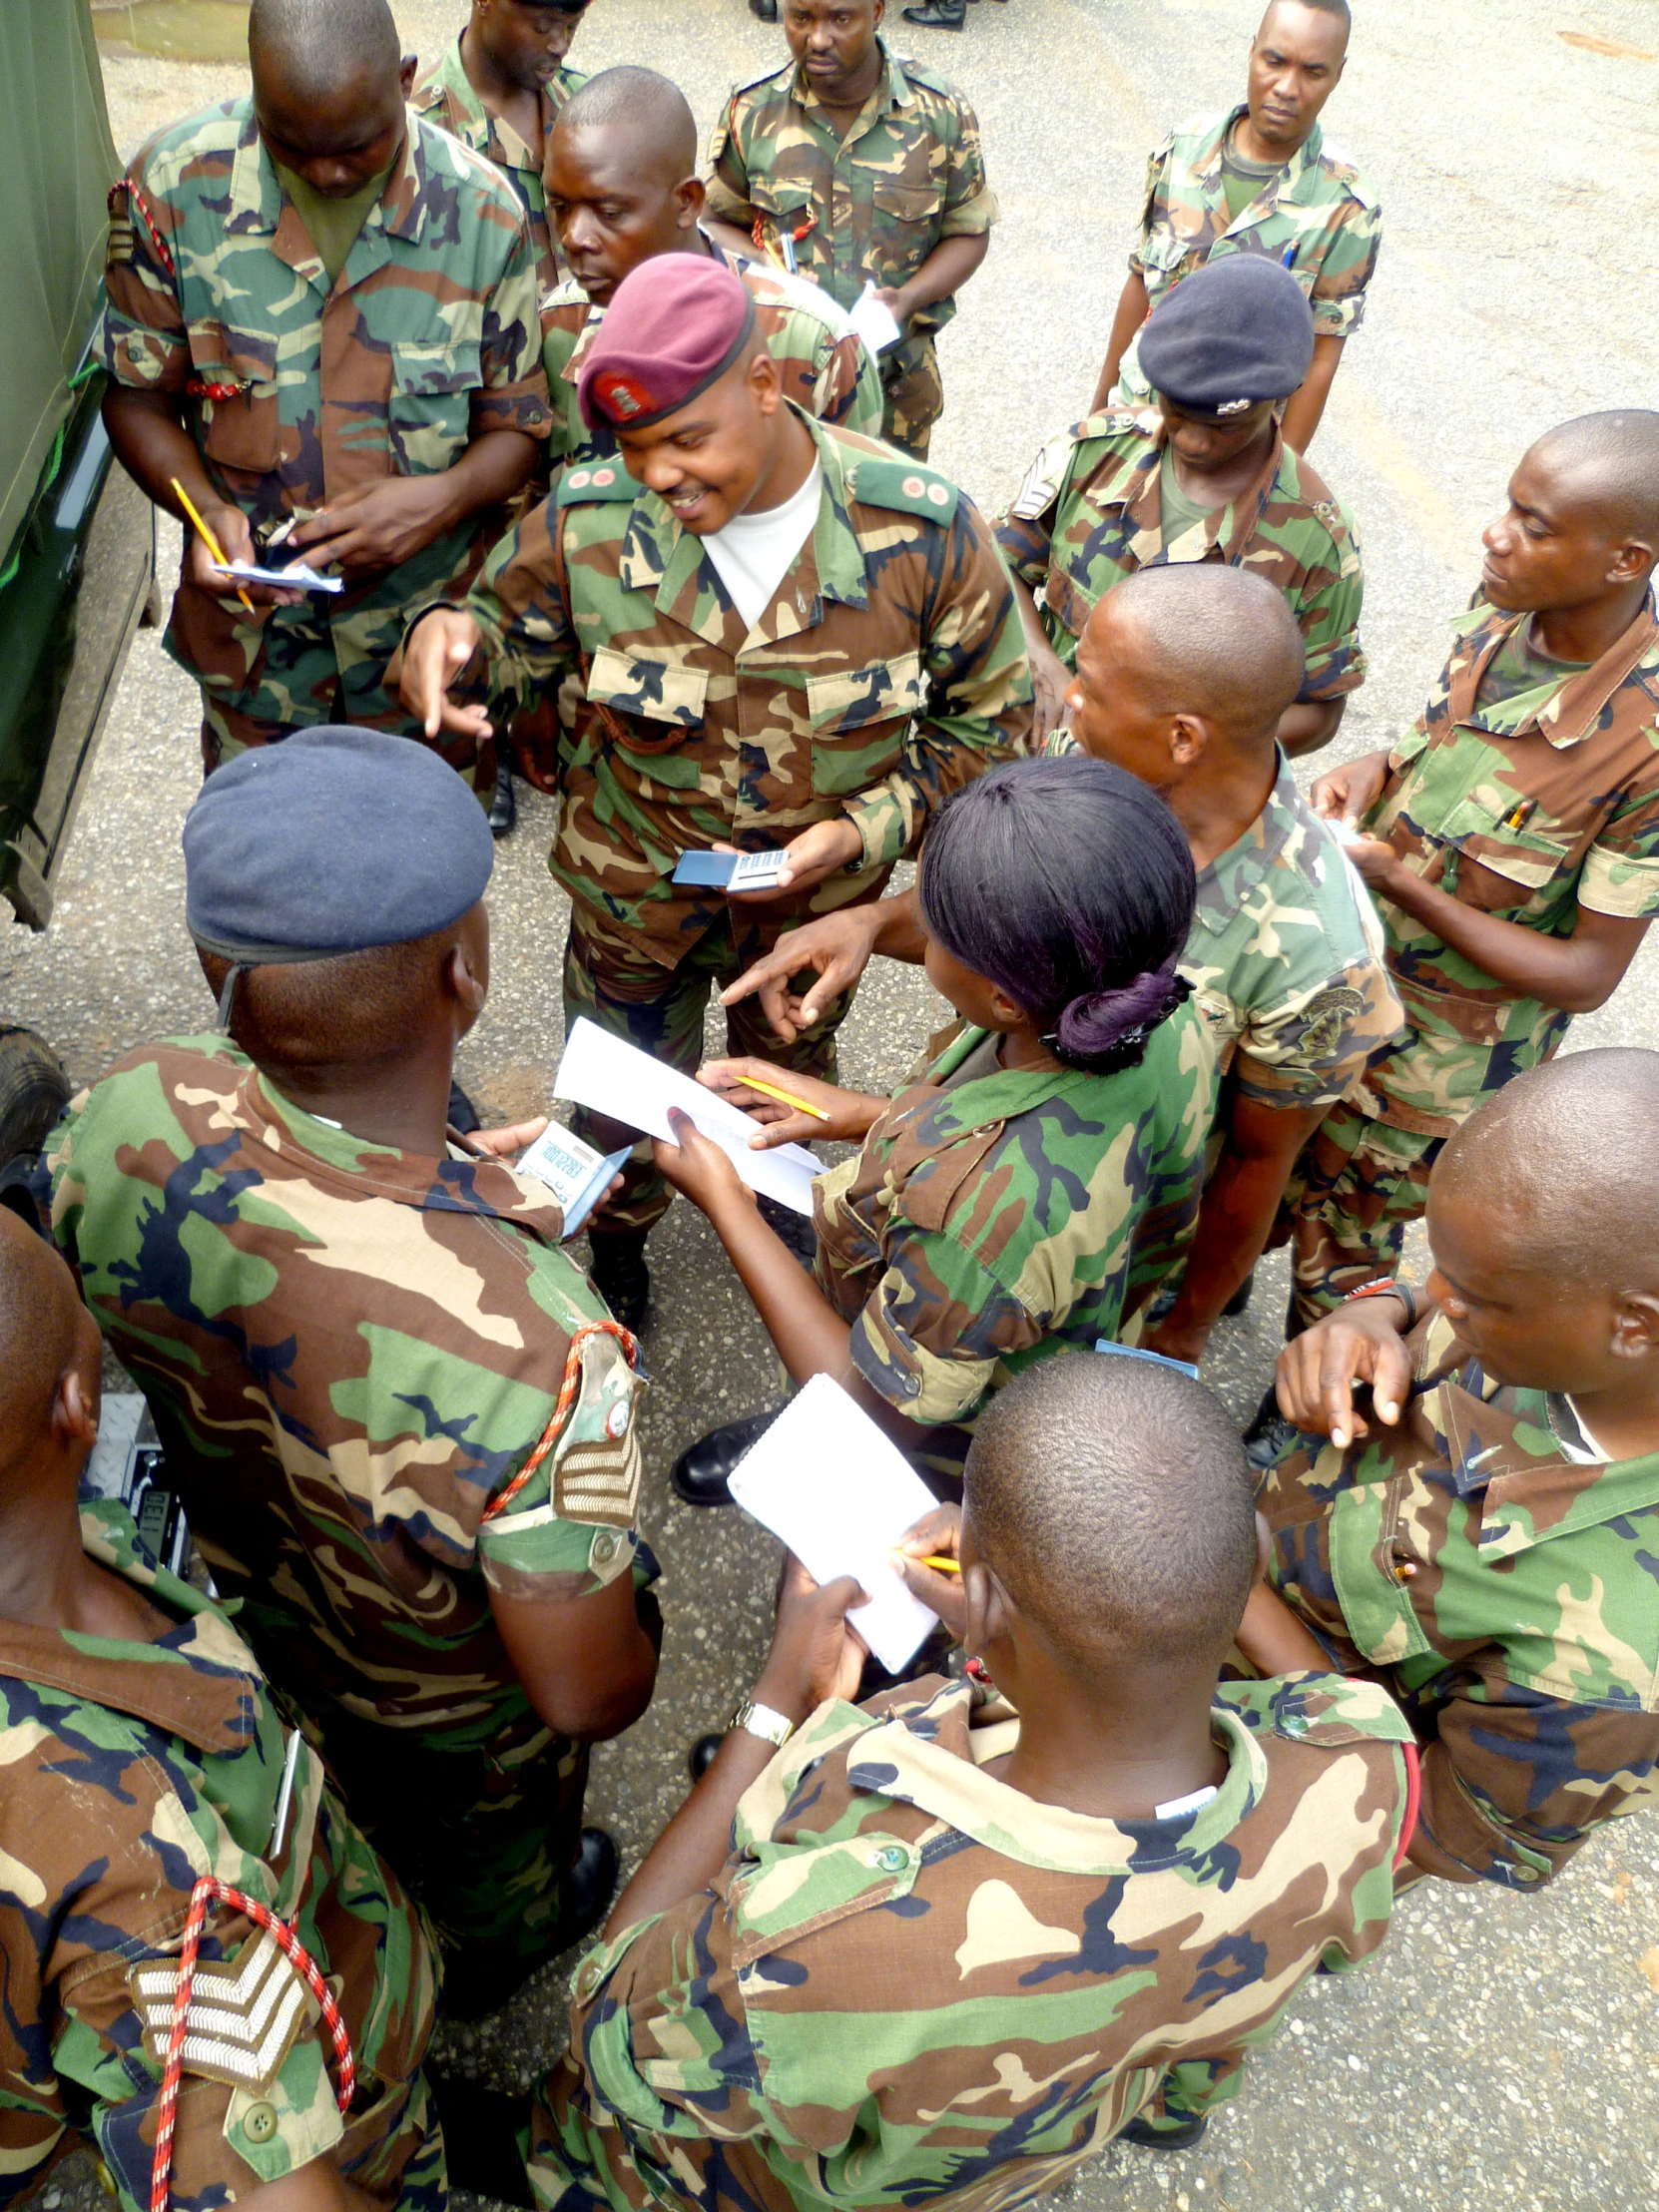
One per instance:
(1504, 2051)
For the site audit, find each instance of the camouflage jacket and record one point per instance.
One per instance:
(864, 209)
(1319, 211)
(1018, 1214)
(132, 1770)
(1505, 1594)
(349, 1352)
(913, 1985)
(888, 670)
(1557, 792)
(1285, 956)
(295, 393)
(1088, 514)
(444, 95)
(826, 369)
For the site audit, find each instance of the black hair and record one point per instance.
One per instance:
(1069, 885)
(642, 102)
(1111, 1498)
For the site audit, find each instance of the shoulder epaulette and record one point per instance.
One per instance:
(923, 74)
(752, 83)
(1358, 184)
(903, 485)
(595, 481)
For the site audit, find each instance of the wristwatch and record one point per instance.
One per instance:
(761, 1721)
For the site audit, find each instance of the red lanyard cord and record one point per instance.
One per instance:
(567, 1393)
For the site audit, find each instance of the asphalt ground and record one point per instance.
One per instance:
(1504, 2051)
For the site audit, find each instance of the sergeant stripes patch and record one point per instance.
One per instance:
(244, 2015)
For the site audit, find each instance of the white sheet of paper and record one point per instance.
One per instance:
(601, 1072)
(840, 1495)
(295, 577)
(873, 320)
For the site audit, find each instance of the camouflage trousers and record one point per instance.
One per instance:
(1352, 1194)
(483, 1836)
(913, 395)
(662, 1010)
(405, 2170)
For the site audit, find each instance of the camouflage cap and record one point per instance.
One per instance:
(675, 326)
(1235, 331)
(335, 841)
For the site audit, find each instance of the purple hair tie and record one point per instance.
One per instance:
(1110, 1022)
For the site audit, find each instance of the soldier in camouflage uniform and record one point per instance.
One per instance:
(1203, 477)
(623, 192)
(145, 1753)
(411, 1457)
(1041, 1174)
(883, 672)
(883, 1971)
(1513, 838)
(859, 168)
(1259, 180)
(369, 400)
(498, 90)
(1480, 1529)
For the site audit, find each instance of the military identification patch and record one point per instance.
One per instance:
(1325, 1017)
(244, 2015)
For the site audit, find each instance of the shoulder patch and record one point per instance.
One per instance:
(753, 84)
(1348, 172)
(595, 481)
(244, 2016)
(906, 486)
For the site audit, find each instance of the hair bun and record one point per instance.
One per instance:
(1103, 1023)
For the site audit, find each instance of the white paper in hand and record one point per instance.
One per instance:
(873, 320)
(601, 1072)
(842, 1494)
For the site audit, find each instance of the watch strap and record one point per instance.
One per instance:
(761, 1720)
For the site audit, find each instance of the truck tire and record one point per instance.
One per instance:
(34, 1091)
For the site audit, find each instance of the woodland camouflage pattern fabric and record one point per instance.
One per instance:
(430, 339)
(1088, 514)
(911, 1985)
(1556, 792)
(888, 671)
(132, 1770)
(1320, 211)
(444, 95)
(1503, 1592)
(826, 369)
(349, 1352)
(1286, 955)
(864, 209)
(1020, 1213)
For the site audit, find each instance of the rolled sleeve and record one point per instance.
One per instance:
(1621, 883)
(931, 1335)
(1157, 171)
(1346, 266)
(513, 393)
(1327, 615)
(141, 337)
(1311, 1048)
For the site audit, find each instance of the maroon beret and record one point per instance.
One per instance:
(675, 324)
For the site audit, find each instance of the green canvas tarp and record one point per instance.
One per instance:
(58, 165)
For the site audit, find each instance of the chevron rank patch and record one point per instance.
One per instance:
(244, 2016)
(596, 1463)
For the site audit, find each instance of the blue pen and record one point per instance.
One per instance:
(1287, 256)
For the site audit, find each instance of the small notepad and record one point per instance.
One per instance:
(728, 872)
(840, 1495)
(296, 577)
(577, 1176)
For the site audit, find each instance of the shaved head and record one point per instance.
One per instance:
(1564, 1163)
(1209, 640)
(1338, 8)
(315, 46)
(1111, 1498)
(640, 111)
(1609, 463)
(43, 1332)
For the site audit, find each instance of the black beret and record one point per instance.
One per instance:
(1236, 330)
(334, 841)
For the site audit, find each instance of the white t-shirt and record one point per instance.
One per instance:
(754, 552)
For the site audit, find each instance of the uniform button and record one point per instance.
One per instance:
(259, 2122)
(892, 1859)
(1292, 1725)
(106, 2180)
(1527, 1874)
(604, 1549)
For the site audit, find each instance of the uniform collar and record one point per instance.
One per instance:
(659, 555)
(360, 1170)
(925, 1758)
(1576, 708)
(892, 90)
(198, 1680)
(448, 88)
(1289, 183)
(1227, 530)
(1231, 874)
(260, 209)
(1499, 1447)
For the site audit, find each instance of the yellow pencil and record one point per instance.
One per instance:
(207, 538)
(783, 1098)
(939, 1561)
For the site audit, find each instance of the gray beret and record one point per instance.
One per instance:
(1236, 330)
(334, 841)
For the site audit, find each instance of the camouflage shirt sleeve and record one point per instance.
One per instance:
(1327, 615)
(141, 337)
(1025, 535)
(970, 204)
(522, 609)
(728, 173)
(1620, 876)
(978, 696)
(512, 393)
(932, 1332)
(1346, 266)
(1157, 171)
(1311, 1048)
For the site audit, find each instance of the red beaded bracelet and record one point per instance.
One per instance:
(1388, 1285)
